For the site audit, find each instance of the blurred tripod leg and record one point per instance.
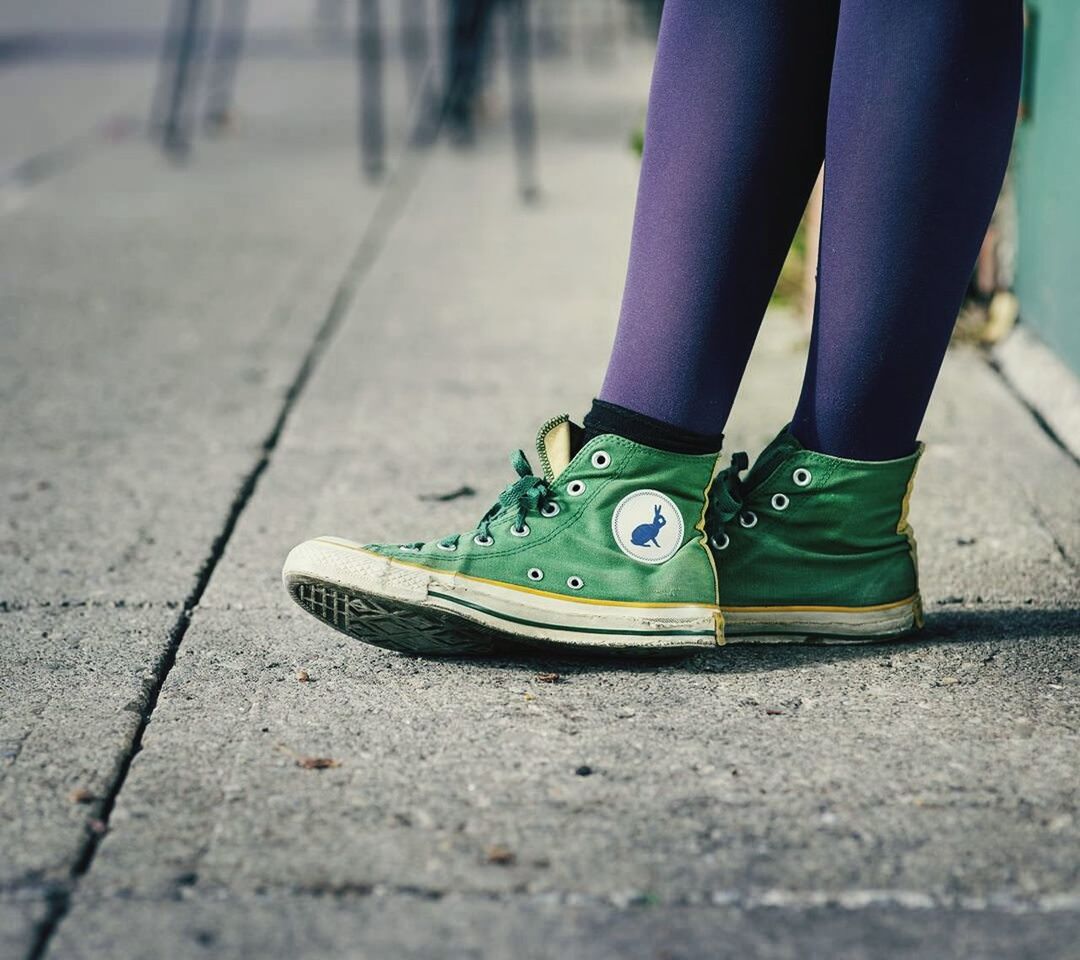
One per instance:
(600, 32)
(552, 35)
(522, 110)
(416, 49)
(171, 112)
(467, 35)
(369, 60)
(224, 59)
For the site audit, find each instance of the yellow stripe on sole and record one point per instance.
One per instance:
(896, 604)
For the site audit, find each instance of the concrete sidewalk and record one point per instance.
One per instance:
(203, 367)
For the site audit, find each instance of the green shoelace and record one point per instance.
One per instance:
(526, 495)
(728, 493)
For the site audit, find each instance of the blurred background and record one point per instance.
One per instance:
(275, 77)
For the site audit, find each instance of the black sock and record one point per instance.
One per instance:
(607, 417)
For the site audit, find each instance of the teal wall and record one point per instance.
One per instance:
(1046, 170)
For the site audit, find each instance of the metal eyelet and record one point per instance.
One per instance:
(721, 544)
(601, 459)
(550, 509)
(575, 488)
(483, 540)
(448, 547)
(780, 501)
(522, 531)
(802, 477)
(535, 573)
(575, 583)
(748, 519)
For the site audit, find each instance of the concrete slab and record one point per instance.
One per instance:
(154, 321)
(174, 309)
(414, 928)
(20, 918)
(922, 767)
(74, 684)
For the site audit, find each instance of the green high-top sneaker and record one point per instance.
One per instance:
(814, 545)
(606, 550)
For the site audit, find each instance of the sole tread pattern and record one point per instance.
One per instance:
(429, 632)
(392, 624)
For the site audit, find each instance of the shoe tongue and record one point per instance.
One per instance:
(557, 442)
(782, 446)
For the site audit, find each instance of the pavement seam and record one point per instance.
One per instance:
(851, 900)
(1040, 421)
(1040, 519)
(399, 187)
(18, 181)
(51, 161)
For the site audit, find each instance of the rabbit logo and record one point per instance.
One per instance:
(647, 526)
(646, 533)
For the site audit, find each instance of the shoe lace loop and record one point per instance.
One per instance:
(526, 495)
(727, 495)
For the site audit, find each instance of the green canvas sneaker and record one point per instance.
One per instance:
(606, 550)
(814, 545)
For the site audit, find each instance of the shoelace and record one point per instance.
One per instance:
(726, 499)
(528, 494)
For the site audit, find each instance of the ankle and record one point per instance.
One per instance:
(610, 418)
(863, 449)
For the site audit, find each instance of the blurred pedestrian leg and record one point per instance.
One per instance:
(921, 115)
(369, 61)
(416, 50)
(467, 35)
(522, 114)
(171, 110)
(224, 57)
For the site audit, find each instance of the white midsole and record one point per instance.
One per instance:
(880, 621)
(524, 612)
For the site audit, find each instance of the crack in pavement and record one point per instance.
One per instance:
(18, 182)
(399, 187)
(753, 899)
(1040, 421)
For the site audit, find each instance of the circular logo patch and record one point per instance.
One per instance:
(647, 526)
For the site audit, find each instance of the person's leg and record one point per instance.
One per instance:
(469, 21)
(921, 113)
(815, 539)
(733, 141)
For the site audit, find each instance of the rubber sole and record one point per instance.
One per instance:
(887, 621)
(410, 608)
(392, 624)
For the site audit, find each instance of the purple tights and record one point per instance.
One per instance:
(911, 105)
